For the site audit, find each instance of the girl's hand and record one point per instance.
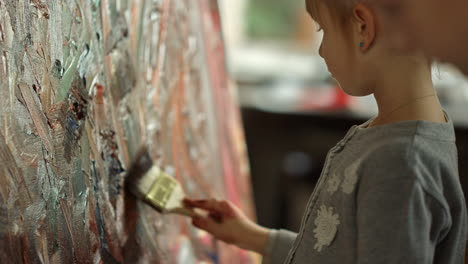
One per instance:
(228, 223)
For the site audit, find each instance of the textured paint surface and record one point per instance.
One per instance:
(83, 84)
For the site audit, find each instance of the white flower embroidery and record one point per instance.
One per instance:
(326, 226)
(333, 184)
(350, 179)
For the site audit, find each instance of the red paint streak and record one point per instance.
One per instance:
(99, 97)
(25, 249)
(93, 226)
(176, 134)
(230, 174)
(134, 31)
(179, 146)
(219, 83)
(106, 28)
(166, 6)
(99, 107)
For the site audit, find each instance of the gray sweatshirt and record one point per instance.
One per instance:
(387, 194)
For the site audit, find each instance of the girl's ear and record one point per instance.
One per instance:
(365, 26)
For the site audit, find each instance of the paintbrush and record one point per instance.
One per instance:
(152, 185)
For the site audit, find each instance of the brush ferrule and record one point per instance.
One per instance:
(161, 190)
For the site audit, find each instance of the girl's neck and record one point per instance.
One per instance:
(406, 93)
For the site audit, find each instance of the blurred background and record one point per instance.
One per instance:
(293, 112)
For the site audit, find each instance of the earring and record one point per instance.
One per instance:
(361, 44)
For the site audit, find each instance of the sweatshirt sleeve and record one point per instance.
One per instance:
(398, 222)
(278, 246)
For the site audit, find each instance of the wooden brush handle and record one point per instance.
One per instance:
(184, 211)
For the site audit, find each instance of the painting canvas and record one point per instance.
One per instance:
(83, 85)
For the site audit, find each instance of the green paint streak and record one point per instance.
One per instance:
(96, 5)
(70, 51)
(67, 79)
(66, 30)
(85, 150)
(112, 6)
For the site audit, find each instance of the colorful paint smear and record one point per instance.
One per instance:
(83, 85)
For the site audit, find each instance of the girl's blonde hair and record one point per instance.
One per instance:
(339, 9)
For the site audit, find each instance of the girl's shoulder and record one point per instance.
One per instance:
(410, 152)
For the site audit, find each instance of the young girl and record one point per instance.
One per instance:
(389, 191)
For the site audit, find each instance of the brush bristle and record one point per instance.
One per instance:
(149, 183)
(136, 179)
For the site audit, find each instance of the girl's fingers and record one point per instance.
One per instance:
(193, 203)
(205, 223)
(187, 202)
(218, 218)
(199, 222)
(227, 209)
(211, 205)
(218, 210)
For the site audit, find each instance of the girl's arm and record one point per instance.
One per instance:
(228, 223)
(279, 244)
(399, 221)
